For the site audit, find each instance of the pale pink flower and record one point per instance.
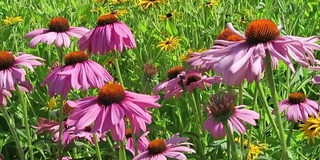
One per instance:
(78, 73)
(59, 31)
(107, 111)
(12, 72)
(109, 35)
(3, 95)
(221, 109)
(298, 107)
(160, 149)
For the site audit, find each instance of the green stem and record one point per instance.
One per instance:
(60, 51)
(270, 80)
(265, 106)
(110, 143)
(96, 143)
(199, 122)
(230, 139)
(122, 152)
(60, 153)
(118, 68)
(240, 103)
(290, 132)
(13, 132)
(26, 123)
(254, 105)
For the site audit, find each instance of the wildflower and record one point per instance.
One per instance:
(118, 1)
(59, 31)
(171, 148)
(311, 128)
(169, 44)
(66, 158)
(150, 70)
(142, 142)
(109, 35)
(108, 109)
(190, 54)
(86, 134)
(222, 110)
(52, 103)
(298, 107)
(99, 1)
(244, 59)
(254, 150)
(169, 15)
(119, 12)
(145, 4)
(12, 73)
(78, 72)
(211, 3)
(12, 20)
(174, 75)
(3, 94)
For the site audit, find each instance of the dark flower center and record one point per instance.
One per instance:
(192, 78)
(261, 31)
(221, 106)
(87, 129)
(297, 97)
(234, 38)
(59, 24)
(75, 57)
(6, 60)
(157, 146)
(67, 110)
(107, 19)
(174, 72)
(169, 15)
(111, 93)
(224, 34)
(128, 133)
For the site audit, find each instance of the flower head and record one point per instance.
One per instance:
(211, 3)
(169, 44)
(59, 30)
(142, 142)
(108, 109)
(12, 72)
(3, 95)
(150, 70)
(12, 20)
(145, 4)
(311, 128)
(109, 35)
(171, 148)
(221, 110)
(78, 72)
(169, 15)
(298, 107)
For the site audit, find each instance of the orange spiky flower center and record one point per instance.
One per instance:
(193, 78)
(234, 38)
(297, 97)
(75, 57)
(261, 31)
(67, 109)
(6, 60)
(128, 133)
(59, 24)
(221, 106)
(174, 72)
(224, 34)
(107, 19)
(111, 93)
(157, 146)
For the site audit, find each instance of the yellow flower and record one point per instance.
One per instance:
(169, 15)
(212, 3)
(311, 128)
(110, 61)
(145, 4)
(52, 103)
(12, 20)
(95, 10)
(255, 149)
(118, 1)
(99, 1)
(119, 12)
(188, 55)
(169, 44)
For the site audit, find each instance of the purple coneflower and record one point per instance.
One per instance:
(298, 107)
(59, 31)
(142, 142)
(159, 149)
(3, 95)
(109, 35)
(222, 110)
(78, 72)
(12, 73)
(108, 109)
(83, 134)
(244, 59)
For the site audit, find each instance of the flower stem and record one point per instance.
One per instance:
(60, 51)
(26, 123)
(290, 132)
(198, 121)
(122, 152)
(118, 69)
(240, 103)
(270, 80)
(60, 152)
(96, 143)
(13, 132)
(230, 140)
